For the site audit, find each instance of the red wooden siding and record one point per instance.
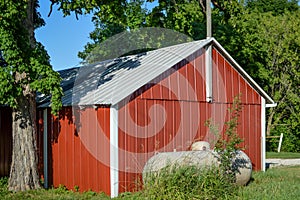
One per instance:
(40, 143)
(227, 83)
(159, 119)
(185, 81)
(170, 114)
(5, 140)
(79, 149)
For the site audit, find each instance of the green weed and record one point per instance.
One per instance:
(188, 182)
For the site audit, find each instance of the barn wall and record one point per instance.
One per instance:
(164, 116)
(169, 114)
(5, 140)
(79, 149)
(188, 74)
(40, 142)
(227, 84)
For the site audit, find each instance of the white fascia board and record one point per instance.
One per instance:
(114, 152)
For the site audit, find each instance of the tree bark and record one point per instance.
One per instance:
(269, 121)
(24, 170)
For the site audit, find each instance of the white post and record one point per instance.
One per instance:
(263, 134)
(208, 54)
(45, 152)
(208, 19)
(114, 154)
(280, 142)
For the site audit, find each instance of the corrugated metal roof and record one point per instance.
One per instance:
(111, 81)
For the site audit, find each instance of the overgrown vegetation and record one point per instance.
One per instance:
(276, 183)
(227, 146)
(189, 182)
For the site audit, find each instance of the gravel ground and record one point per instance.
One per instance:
(281, 162)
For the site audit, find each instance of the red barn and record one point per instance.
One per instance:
(120, 112)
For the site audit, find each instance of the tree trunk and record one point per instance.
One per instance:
(24, 171)
(269, 121)
(24, 166)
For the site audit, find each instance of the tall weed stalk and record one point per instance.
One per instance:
(227, 146)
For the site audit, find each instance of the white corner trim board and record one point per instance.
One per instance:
(263, 134)
(114, 156)
(208, 73)
(45, 150)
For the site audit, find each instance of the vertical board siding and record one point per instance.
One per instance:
(178, 133)
(162, 126)
(5, 140)
(171, 114)
(40, 142)
(228, 83)
(188, 74)
(79, 150)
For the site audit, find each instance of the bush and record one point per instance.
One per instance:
(188, 182)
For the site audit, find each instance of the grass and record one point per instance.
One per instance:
(276, 183)
(282, 155)
(60, 193)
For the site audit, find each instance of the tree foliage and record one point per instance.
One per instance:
(276, 7)
(27, 66)
(265, 41)
(25, 70)
(270, 53)
(180, 15)
(112, 19)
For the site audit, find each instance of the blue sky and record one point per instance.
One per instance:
(63, 37)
